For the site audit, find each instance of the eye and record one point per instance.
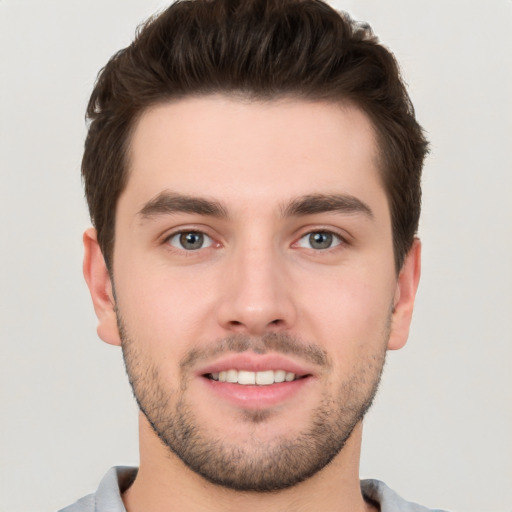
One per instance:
(319, 240)
(190, 240)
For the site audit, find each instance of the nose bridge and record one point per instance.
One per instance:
(256, 297)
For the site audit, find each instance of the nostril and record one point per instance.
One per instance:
(255, 325)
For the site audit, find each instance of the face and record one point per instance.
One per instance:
(255, 290)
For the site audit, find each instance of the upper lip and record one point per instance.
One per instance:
(252, 362)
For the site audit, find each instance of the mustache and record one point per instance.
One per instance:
(282, 343)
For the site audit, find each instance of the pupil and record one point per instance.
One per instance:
(191, 240)
(320, 240)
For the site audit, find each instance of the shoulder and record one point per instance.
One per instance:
(389, 500)
(108, 497)
(85, 504)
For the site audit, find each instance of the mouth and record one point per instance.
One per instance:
(253, 382)
(252, 378)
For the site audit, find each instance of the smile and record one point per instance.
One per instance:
(248, 378)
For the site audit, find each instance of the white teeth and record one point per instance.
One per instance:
(264, 378)
(279, 376)
(231, 376)
(246, 377)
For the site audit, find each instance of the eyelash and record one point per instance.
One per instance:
(336, 240)
(168, 239)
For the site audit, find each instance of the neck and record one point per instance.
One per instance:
(164, 482)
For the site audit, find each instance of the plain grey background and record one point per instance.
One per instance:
(440, 431)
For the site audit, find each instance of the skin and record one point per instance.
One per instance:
(258, 275)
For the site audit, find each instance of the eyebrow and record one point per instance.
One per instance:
(167, 203)
(322, 203)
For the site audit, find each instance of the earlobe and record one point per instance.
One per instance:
(403, 303)
(100, 287)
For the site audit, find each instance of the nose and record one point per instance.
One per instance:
(257, 292)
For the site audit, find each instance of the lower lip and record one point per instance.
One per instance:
(257, 397)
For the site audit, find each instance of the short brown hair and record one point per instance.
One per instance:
(262, 49)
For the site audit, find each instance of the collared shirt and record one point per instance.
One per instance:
(108, 496)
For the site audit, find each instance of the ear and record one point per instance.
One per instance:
(405, 293)
(100, 286)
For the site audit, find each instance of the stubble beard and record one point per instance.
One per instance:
(260, 467)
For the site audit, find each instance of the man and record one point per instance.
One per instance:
(252, 170)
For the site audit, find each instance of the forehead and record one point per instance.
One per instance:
(248, 150)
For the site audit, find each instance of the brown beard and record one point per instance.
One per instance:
(268, 466)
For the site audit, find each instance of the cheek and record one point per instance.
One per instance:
(349, 313)
(159, 311)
